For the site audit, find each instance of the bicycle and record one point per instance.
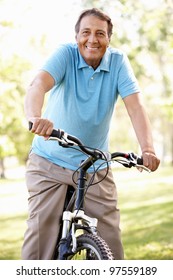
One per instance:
(78, 237)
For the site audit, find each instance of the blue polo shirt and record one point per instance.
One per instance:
(82, 101)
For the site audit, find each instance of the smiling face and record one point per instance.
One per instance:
(92, 39)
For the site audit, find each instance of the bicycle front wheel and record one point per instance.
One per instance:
(91, 247)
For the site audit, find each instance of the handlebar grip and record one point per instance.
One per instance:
(30, 125)
(140, 160)
(55, 133)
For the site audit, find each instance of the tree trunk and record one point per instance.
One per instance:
(2, 169)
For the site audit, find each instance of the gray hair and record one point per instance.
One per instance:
(97, 13)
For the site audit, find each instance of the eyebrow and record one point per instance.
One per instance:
(98, 30)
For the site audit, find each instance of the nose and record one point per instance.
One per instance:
(92, 38)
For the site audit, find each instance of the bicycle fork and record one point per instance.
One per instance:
(72, 221)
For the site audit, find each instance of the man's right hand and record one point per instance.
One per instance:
(42, 127)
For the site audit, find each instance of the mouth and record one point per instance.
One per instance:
(92, 48)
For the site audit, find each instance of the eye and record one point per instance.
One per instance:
(85, 32)
(100, 34)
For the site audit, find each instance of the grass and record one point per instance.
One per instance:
(146, 207)
(13, 214)
(11, 236)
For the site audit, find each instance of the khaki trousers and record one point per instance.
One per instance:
(47, 184)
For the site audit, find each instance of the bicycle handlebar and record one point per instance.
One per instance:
(67, 140)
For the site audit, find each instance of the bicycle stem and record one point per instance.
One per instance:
(79, 203)
(82, 179)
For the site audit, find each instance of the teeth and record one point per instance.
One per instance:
(91, 48)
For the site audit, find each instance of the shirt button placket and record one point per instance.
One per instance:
(91, 85)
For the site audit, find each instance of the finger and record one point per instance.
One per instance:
(45, 128)
(140, 169)
(145, 160)
(35, 122)
(42, 127)
(155, 164)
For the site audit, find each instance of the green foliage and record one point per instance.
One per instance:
(13, 135)
(5, 23)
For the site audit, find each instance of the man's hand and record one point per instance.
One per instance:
(150, 160)
(42, 127)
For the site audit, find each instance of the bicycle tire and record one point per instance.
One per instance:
(91, 247)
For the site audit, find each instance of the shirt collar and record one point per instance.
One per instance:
(104, 65)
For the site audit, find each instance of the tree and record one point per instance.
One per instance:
(13, 137)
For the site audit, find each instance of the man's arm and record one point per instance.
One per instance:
(34, 101)
(140, 121)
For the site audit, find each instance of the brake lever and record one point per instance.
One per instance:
(143, 167)
(135, 161)
(64, 141)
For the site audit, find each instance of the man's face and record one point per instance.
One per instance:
(92, 39)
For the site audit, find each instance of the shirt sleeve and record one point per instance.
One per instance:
(57, 63)
(127, 82)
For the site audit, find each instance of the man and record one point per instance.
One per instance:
(85, 80)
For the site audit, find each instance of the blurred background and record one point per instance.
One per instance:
(29, 31)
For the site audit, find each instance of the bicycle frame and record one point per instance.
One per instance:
(74, 218)
(71, 218)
